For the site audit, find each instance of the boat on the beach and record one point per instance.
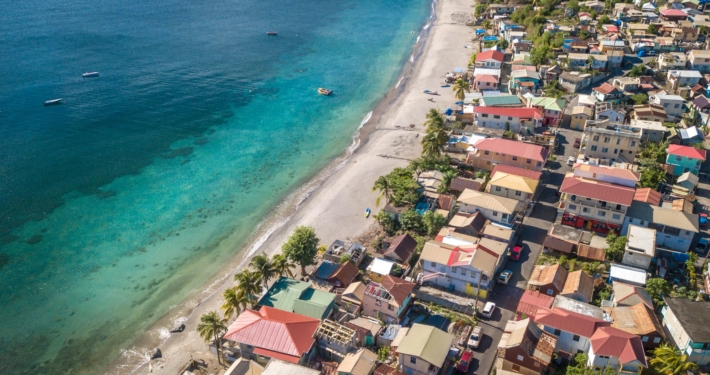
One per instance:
(323, 91)
(90, 74)
(53, 102)
(272, 33)
(431, 92)
(445, 85)
(367, 212)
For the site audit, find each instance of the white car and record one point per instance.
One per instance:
(488, 310)
(505, 277)
(571, 160)
(475, 338)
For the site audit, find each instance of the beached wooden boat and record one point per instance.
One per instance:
(323, 91)
(367, 212)
(431, 92)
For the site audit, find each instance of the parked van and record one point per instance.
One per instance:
(488, 310)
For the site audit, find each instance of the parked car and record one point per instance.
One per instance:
(703, 219)
(571, 160)
(515, 254)
(577, 142)
(465, 361)
(488, 310)
(475, 338)
(702, 246)
(505, 277)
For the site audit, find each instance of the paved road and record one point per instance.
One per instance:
(535, 228)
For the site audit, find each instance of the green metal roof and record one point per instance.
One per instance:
(298, 297)
(501, 100)
(549, 103)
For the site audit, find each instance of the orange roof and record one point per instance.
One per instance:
(527, 173)
(274, 330)
(578, 281)
(544, 275)
(486, 78)
(602, 191)
(490, 54)
(569, 321)
(514, 148)
(648, 195)
(614, 342)
(398, 288)
(532, 300)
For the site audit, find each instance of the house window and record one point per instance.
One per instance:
(656, 340)
(549, 292)
(496, 116)
(595, 138)
(529, 161)
(616, 216)
(390, 307)
(518, 193)
(616, 151)
(677, 158)
(618, 141)
(605, 149)
(432, 368)
(515, 158)
(618, 207)
(504, 216)
(486, 153)
(463, 271)
(453, 269)
(557, 332)
(510, 119)
(677, 106)
(495, 213)
(644, 338)
(573, 207)
(539, 164)
(575, 338)
(633, 143)
(497, 188)
(484, 115)
(607, 139)
(594, 148)
(412, 359)
(433, 264)
(601, 213)
(586, 210)
(520, 358)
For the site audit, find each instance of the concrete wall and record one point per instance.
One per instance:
(566, 342)
(420, 367)
(636, 259)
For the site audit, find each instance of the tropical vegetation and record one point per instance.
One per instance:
(301, 247)
(671, 361)
(211, 328)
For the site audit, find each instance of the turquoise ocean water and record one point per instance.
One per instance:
(116, 205)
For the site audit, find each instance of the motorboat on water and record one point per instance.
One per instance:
(323, 91)
(53, 102)
(272, 33)
(90, 74)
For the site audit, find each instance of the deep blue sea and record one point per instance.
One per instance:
(117, 204)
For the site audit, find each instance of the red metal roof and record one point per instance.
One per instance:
(605, 88)
(611, 28)
(569, 321)
(648, 195)
(688, 152)
(532, 301)
(603, 191)
(512, 112)
(486, 78)
(514, 148)
(277, 355)
(527, 173)
(614, 342)
(491, 54)
(398, 288)
(674, 13)
(274, 330)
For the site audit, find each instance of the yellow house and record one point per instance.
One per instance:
(580, 115)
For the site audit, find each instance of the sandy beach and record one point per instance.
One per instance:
(335, 209)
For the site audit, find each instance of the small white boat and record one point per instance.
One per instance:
(90, 74)
(53, 102)
(272, 33)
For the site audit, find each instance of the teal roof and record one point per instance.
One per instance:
(298, 297)
(491, 101)
(549, 103)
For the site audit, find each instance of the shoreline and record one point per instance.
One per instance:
(334, 199)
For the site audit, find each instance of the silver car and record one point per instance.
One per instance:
(505, 277)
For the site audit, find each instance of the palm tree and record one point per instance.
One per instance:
(211, 328)
(249, 285)
(460, 88)
(431, 147)
(670, 361)
(434, 119)
(383, 185)
(234, 302)
(282, 265)
(446, 181)
(262, 265)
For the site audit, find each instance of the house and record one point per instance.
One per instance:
(367, 330)
(430, 180)
(595, 205)
(468, 224)
(574, 81)
(595, 5)
(485, 82)
(689, 181)
(627, 275)
(500, 9)
(673, 104)
(493, 207)
(401, 249)
(362, 362)
(648, 195)
(688, 136)
(530, 302)
(577, 61)
(680, 78)
(699, 60)
(501, 101)
(650, 112)
(492, 151)
(687, 327)
(573, 329)
(580, 115)
(587, 101)
(272, 333)
(640, 247)
(614, 50)
(629, 295)
(549, 280)
(607, 93)
(356, 252)
(550, 73)
(388, 301)
(552, 109)
(616, 349)
(279, 367)
(513, 182)
(609, 111)
(513, 119)
(525, 348)
(522, 81)
(490, 59)
(639, 320)
(379, 268)
(673, 15)
(351, 299)
(424, 350)
(610, 142)
(299, 297)
(627, 84)
(700, 104)
(335, 275)
(579, 286)
(335, 340)
(672, 60)
(466, 268)
(651, 131)
(685, 159)
(459, 184)
(445, 205)
(497, 233)
(674, 229)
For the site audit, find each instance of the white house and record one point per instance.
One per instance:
(673, 104)
(493, 207)
(674, 229)
(515, 119)
(609, 111)
(679, 78)
(617, 349)
(617, 176)
(640, 247)
(490, 59)
(573, 329)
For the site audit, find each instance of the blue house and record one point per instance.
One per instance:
(523, 81)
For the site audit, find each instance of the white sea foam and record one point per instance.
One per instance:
(398, 82)
(427, 26)
(418, 37)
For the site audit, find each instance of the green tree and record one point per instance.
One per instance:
(604, 20)
(282, 265)
(480, 8)
(262, 265)
(433, 222)
(652, 174)
(404, 187)
(432, 145)
(447, 177)
(640, 98)
(617, 244)
(234, 302)
(671, 361)
(382, 353)
(434, 119)
(502, 44)
(302, 247)
(699, 146)
(410, 220)
(552, 91)
(657, 288)
(486, 24)
(249, 284)
(345, 258)
(211, 328)
(652, 29)
(386, 222)
(636, 71)
(461, 87)
(383, 186)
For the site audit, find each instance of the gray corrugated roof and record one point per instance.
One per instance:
(695, 322)
(663, 216)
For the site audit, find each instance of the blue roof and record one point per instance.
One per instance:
(326, 269)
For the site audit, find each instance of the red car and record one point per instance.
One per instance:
(515, 254)
(577, 142)
(465, 361)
